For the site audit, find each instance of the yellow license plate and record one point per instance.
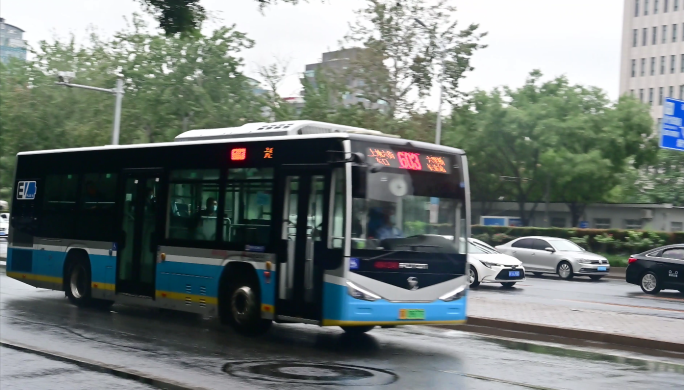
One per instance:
(411, 314)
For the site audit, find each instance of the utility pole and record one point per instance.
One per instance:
(438, 129)
(118, 92)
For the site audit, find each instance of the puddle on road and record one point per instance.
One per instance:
(310, 373)
(639, 364)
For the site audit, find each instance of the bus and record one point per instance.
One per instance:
(292, 222)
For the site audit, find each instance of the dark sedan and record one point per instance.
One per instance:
(658, 269)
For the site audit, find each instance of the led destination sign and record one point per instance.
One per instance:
(409, 160)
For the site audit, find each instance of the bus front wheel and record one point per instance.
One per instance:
(244, 308)
(357, 329)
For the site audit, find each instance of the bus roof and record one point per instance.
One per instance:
(275, 131)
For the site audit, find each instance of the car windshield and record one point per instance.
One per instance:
(474, 248)
(565, 246)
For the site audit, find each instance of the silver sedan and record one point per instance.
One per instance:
(541, 255)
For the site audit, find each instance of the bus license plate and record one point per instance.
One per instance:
(411, 314)
(601, 268)
(513, 274)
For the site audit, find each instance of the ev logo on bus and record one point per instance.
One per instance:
(26, 190)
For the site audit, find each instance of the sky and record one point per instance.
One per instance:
(579, 38)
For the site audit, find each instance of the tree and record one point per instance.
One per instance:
(172, 84)
(553, 140)
(660, 182)
(400, 64)
(185, 16)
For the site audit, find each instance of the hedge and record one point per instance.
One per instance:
(595, 240)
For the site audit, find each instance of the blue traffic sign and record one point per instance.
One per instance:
(672, 131)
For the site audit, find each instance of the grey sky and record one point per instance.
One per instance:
(579, 38)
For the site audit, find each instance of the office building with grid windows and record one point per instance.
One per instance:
(652, 63)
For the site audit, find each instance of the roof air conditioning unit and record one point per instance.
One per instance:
(646, 214)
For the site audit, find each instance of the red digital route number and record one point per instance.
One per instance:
(408, 160)
(238, 154)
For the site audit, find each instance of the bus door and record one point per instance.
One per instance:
(302, 237)
(137, 245)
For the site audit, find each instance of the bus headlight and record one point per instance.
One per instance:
(455, 295)
(360, 293)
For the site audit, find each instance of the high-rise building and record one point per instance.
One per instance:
(12, 43)
(337, 62)
(652, 64)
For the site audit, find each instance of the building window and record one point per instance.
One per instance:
(674, 33)
(681, 65)
(660, 96)
(662, 64)
(652, 66)
(650, 96)
(558, 222)
(193, 205)
(671, 94)
(658, 124)
(631, 92)
(633, 68)
(664, 38)
(641, 95)
(673, 62)
(676, 5)
(636, 8)
(666, 6)
(632, 224)
(677, 226)
(681, 92)
(601, 223)
(635, 38)
(643, 66)
(644, 36)
(655, 7)
(645, 7)
(654, 38)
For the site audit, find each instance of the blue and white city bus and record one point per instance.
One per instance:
(300, 222)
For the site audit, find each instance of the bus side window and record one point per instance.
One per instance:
(193, 200)
(248, 198)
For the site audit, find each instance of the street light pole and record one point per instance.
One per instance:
(438, 129)
(118, 92)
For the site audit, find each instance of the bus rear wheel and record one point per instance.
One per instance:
(78, 284)
(244, 308)
(357, 329)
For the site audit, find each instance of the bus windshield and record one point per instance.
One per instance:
(403, 203)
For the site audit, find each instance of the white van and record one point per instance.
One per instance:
(4, 224)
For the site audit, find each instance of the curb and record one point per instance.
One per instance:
(102, 367)
(630, 341)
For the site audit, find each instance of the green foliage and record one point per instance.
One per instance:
(176, 16)
(550, 139)
(597, 240)
(403, 59)
(172, 84)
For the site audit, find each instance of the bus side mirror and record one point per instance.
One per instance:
(359, 180)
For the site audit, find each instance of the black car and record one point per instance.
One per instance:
(658, 269)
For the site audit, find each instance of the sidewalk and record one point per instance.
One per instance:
(612, 327)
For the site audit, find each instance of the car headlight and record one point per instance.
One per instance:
(455, 295)
(360, 293)
(489, 265)
(584, 261)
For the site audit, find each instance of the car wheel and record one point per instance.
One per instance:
(473, 277)
(596, 277)
(508, 284)
(244, 308)
(357, 329)
(565, 270)
(537, 274)
(650, 283)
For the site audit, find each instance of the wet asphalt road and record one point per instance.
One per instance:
(200, 352)
(584, 293)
